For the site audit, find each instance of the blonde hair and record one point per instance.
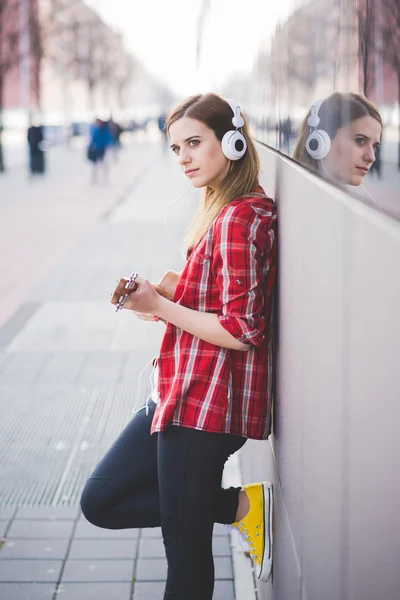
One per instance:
(242, 176)
(336, 111)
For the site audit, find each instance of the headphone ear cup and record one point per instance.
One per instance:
(318, 144)
(233, 145)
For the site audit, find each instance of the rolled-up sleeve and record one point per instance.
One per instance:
(240, 264)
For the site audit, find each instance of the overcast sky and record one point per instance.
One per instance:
(162, 34)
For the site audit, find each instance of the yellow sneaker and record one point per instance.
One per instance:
(256, 527)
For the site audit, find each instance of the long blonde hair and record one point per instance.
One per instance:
(336, 111)
(242, 176)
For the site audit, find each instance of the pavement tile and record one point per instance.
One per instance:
(41, 529)
(38, 571)
(86, 530)
(223, 567)
(27, 591)
(151, 569)
(154, 590)
(7, 512)
(221, 546)
(112, 549)
(63, 367)
(98, 570)
(152, 532)
(3, 526)
(93, 591)
(48, 513)
(135, 362)
(14, 325)
(102, 367)
(23, 367)
(91, 326)
(224, 590)
(151, 548)
(148, 590)
(3, 358)
(37, 549)
(221, 530)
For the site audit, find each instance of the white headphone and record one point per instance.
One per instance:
(233, 144)
(318, 142)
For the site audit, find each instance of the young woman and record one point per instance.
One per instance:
(340, 137)
(214, 366)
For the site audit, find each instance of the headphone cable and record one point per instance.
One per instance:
(166, 219)
(373, 199)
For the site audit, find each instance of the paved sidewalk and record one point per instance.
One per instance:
(43, 218)
(69, 368)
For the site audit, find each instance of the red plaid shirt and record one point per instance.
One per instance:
(231, 273)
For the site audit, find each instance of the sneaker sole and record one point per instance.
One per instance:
(266, 563)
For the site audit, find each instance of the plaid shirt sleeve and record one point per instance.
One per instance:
(240, 261)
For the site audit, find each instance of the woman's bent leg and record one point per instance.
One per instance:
(122, 492)
(190, 465)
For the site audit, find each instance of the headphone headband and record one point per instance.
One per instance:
(237, 120)
(313, 119)
(233, 143)
(318, 142)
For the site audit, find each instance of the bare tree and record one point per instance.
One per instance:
(367, 22)
(391, 51)
(37, 55)
(9, 53)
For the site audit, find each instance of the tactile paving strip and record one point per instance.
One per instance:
(50, 440)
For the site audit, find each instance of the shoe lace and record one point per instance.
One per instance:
(244, 538)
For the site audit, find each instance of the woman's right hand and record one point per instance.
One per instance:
(166, 287)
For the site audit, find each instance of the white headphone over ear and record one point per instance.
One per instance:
(233, 144)
(318, 142)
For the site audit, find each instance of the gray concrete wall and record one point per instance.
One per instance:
(334, 452)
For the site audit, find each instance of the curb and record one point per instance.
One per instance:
(243, 572)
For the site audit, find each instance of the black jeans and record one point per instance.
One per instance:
(172, 479)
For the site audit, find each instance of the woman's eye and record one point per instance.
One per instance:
(175, 150)
(194, 143)
(360, 141)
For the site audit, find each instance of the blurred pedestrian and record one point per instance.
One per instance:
(100, 140)
(376, 167)
(115, 130)
(35, 137)
(213, 372)
(162, 126)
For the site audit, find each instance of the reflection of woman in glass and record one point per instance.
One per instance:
(339, 137)
(214, 366)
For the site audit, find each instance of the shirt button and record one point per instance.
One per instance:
(238, 281)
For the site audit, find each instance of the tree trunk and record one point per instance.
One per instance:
(2, 166)
(398, 154)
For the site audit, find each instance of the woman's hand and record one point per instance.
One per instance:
(144, 299)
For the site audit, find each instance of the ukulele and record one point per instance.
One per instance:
(167, 284)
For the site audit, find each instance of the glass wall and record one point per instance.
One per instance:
(277, 59)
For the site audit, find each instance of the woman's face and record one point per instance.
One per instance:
(199, 152)
(353, 150)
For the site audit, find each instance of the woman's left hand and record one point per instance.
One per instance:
(144, 299)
